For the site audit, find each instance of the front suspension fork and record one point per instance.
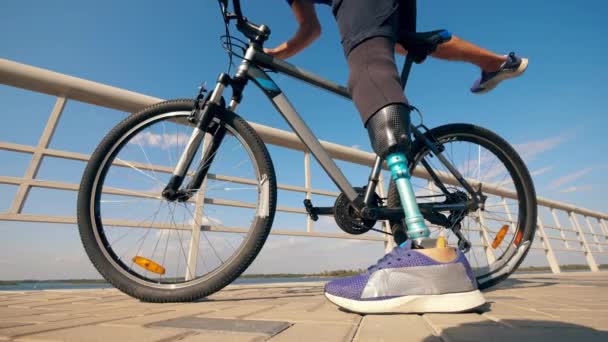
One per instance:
(209, 111)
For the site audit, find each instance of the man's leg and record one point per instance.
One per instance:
(376, 90)
(421, 280)
(494, 68)
(460, 50)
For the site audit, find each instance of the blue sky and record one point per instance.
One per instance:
(554, 114)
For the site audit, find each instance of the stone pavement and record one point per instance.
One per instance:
(541, 307)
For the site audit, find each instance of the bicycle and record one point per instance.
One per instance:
(458, 202)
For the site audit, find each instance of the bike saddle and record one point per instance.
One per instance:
(421, 44)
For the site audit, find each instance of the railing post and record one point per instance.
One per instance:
(485, 238)
(34, 166)
(588, 254)
(307, 185)
(389, 242)
(551, 259)
(604, 228)
(590, 226)
(559, 226)
(195, 234)
(509, 216)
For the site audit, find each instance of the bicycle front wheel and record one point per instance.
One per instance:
(162, 251)
(501, 234)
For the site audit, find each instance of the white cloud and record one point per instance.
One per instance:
(569, 178)
(577, 188)
(541, 171)
(532, 149)
(164, 141)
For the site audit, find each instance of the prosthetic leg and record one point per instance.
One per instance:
(389, 132)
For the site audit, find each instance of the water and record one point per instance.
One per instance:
(96, 286)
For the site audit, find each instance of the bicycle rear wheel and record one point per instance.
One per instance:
(502, 233)
(162, 251)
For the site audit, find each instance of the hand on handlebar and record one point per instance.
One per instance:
(309, 30)
(282, 51)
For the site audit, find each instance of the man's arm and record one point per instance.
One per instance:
(308, 31)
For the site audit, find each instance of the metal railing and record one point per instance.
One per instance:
(589, 238)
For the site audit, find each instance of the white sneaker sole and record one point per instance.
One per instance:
(491, 84)
(449, 302)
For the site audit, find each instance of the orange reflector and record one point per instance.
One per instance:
(149, 265)
(518, 237)
(500, 236)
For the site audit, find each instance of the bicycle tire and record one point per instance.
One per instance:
(89, 220)
(490, 276)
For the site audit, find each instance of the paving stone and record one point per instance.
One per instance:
(10, 313)
(510, 311)
(156, 317)
(9, 324)
(224, 325)
(46, 317)
(324, 313)
(525, 307)
(306, 332)
(401, 328)
(450, 320)
(222, 337)
(19, 302)
(39, 328)
(104, 334)
(238, 311)
(50, 303)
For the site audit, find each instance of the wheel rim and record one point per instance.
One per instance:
(500, 211)
(138, 153)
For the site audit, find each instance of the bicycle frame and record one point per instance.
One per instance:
(251, 69)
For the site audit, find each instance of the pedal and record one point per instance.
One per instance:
(310, 210)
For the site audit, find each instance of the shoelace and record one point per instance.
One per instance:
(396, 252)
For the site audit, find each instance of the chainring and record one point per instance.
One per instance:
(346, 217)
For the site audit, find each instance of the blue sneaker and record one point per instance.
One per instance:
(513, 67)
(409, 281)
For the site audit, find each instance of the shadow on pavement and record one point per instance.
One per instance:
(520, 330)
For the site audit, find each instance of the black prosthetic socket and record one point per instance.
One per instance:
(389, 129)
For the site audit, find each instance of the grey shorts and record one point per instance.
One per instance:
(359, 20)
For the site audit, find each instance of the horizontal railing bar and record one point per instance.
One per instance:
(422, 174)
(37, 183)
(37, 218)
(580, 250)
(184, 227)
(54, 83)
(149, 167)
(564, 239)
(130, 193)
(8, 146)
(485, 217)
(241, 180)
(240, 204)
(563, 229)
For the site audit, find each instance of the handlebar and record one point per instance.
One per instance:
(237, 9)
(256, 33)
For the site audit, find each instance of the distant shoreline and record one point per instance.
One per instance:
(327, 274)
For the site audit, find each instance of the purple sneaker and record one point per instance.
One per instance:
(513, 67)
(408, 281)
